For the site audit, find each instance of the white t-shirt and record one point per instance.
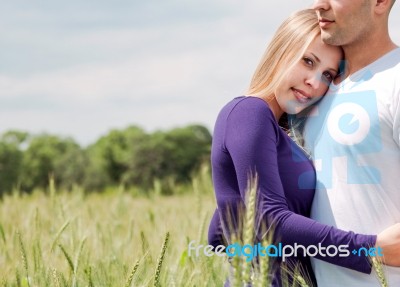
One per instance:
(353, 135)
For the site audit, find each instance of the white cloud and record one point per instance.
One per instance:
(106, 69)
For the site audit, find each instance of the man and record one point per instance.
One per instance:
(354, 133)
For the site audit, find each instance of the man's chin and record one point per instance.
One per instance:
(329, 39)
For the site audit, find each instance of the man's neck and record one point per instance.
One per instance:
(365, 51)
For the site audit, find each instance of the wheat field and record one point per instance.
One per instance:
(112, 239)
(59, 238)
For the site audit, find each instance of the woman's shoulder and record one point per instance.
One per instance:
(247, 115)
(248, 105)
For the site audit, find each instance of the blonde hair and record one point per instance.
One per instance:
(286, 48)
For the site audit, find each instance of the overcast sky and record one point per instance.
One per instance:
(80, 68)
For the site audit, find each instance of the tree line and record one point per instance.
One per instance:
(130, 157)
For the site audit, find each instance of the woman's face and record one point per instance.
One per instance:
(309, 79)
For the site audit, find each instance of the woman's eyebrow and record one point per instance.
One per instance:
(316, 58)
(319, 61)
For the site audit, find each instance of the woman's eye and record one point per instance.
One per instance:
(328, 76)
(308, 61)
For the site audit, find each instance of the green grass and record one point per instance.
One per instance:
(114, 239)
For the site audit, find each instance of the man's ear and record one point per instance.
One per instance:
(382, 6)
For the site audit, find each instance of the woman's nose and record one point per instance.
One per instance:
(314, 80)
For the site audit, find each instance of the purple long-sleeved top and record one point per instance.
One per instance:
(247, 139)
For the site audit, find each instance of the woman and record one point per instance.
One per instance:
(294, 73)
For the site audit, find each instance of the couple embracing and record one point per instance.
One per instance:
(320, 126)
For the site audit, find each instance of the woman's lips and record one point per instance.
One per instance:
(301, 96)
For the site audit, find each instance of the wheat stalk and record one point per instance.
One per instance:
(298, 278)
(130, 278)
(264, 266)
(59, 234)
(24, 257)
(17, 279)
(88, 272)
(379, 271)
(145, 243)
(2, 234)
(56, 278)
(77, 259)
(235, 268)
(248, 231)
(69, 260)
(134, 270)
(160, 261)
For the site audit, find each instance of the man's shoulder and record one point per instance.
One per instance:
(389, 63)
(385, 72)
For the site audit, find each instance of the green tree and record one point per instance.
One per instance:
(49, 155)
(11, 159)
(172, 155)
(190, 148)
(109, 157)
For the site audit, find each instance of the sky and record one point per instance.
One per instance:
(81, 68)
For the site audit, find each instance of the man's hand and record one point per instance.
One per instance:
(389, 241)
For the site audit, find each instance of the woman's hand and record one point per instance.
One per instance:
(389, 241)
